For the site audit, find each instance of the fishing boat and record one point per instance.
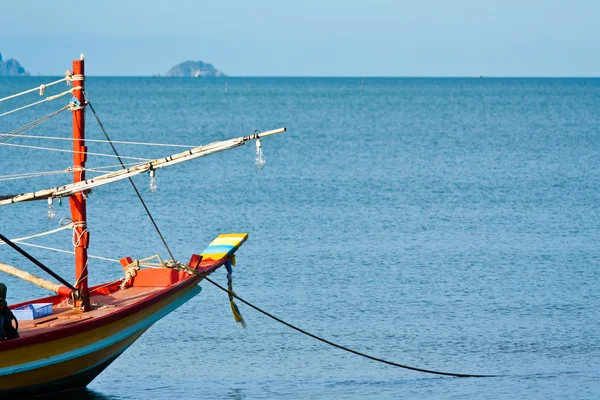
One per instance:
(79, 330)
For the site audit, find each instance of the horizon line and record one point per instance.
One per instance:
(332, 76)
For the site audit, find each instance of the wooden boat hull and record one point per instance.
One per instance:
(68, 349)
(72, 356)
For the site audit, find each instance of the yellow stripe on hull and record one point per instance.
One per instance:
(40, 376)
(37, 366)
(28, 354)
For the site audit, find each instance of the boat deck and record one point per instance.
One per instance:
(102, 304)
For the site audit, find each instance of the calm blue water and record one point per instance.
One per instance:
(449, 224)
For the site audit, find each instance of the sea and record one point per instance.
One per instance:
(450, 224)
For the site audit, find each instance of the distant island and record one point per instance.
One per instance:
(195, 69)
(11, 67)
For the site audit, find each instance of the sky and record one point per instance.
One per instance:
(307, 38)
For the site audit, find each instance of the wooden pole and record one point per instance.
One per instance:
(36, 280)
(78, 201)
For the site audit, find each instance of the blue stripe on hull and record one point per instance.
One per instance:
(77, 381)
(101, 344)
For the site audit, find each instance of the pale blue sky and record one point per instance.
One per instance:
(308, 38)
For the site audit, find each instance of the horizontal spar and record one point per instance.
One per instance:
(188, 155)
(36, 280)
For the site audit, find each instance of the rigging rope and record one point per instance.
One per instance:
(100, 169)
(142, 262)
(130, 180)
(62, 228)
(394, 364)
(37, 263)
(73, 151)
(49, 98)
(40, 88)
(106, 141)
(7, 137)
(67, 251)
(34, 174)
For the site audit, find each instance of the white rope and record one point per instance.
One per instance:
(67, 251)
(34, 174)
(78, 236)
(72, 151)
(106, 141)
(99, 170)
(62, 228)
(7, 137)
(40, 88)
(49, 98)
(67, 224)
(82, 186)
(142, 263)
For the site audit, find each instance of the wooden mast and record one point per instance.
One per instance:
(81, 236)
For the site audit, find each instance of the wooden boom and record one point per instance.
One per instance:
(86, 185)
(36, 280)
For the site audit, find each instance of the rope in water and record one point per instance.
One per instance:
(304, 332)
(232, 294)
(349, 350)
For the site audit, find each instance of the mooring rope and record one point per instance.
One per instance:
(347, 349)
(232, 294)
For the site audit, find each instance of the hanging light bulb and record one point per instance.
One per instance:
(51, 211)
(153, 185)
(260, 161)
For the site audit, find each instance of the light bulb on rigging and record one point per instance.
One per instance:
(51, 211)
(260, 161)
(153, 185)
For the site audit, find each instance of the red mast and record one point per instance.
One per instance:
(81, 237)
